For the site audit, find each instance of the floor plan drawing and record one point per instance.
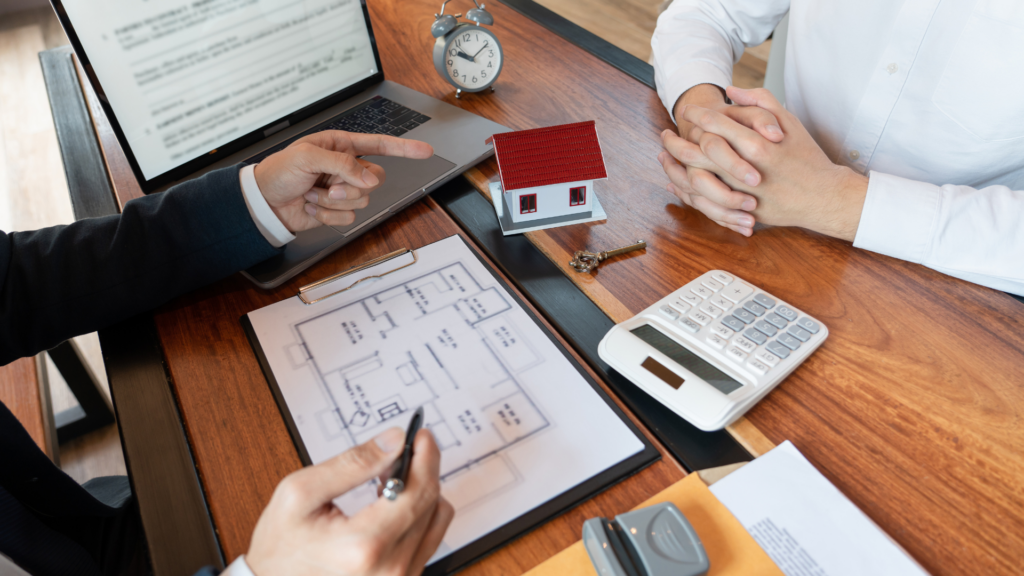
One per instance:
(439, 336)
(517, 421)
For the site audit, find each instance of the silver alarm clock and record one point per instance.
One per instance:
(467, 55)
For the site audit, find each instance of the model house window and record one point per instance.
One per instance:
(527, 203)
(578, 196)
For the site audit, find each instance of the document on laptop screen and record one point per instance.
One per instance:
(185, 77)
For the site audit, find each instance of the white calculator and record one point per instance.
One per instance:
(713, 348)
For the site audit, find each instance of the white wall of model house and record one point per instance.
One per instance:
(552, 201)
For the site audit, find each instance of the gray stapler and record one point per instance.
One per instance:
(653, 541)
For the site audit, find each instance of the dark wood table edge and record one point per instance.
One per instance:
(176, 520)
(597, 46)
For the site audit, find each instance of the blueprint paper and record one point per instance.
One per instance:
(516, 423)
(804, 523)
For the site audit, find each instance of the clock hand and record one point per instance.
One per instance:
(462, 54)
(481, 50)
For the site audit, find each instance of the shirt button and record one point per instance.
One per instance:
(892, 68)
(854, 154)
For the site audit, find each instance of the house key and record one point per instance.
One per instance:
(588, 261)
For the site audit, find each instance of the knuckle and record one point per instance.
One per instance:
(758, 151)
(291, 490)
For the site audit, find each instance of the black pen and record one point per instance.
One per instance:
(398, 474)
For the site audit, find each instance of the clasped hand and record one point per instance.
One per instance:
(755, 161)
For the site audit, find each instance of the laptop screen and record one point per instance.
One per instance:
(186, 77)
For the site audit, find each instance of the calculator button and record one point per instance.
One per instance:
(700, 317)
(681, 306)
(735, 354)
(712, 284)
(755, 308)
(755, 336)
(744, 344)
(690, 298)
(744, 315)
(722, 331)
(670, 312)
(689, 325)
(799, 333)
(717, 341)
(766, 328)
(737, 291)
(733, 323)
(788, 341)
(758, 367)
(808, 324)
(722, 277)
(702, 291)
(767, 357)
(713, 311)
(765, 300)
(786, 312)
(778, 349)
(721, 302)
(776, 320)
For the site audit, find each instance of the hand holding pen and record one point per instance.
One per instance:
(302, 531)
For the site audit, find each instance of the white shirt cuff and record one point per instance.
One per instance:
(266, 221)
(899, 217)
(690, 74)
(240, 568)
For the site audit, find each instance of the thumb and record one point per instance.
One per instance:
(759, 97)
(314, 486)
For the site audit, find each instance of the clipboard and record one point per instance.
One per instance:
(322, 291)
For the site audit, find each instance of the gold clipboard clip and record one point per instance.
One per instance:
(353, 270)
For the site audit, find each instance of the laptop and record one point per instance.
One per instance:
(195, 86)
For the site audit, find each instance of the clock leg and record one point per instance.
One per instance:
(458, 93)
(492, 88)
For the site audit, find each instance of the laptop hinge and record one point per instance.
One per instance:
(276, 128)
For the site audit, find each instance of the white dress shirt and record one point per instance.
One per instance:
(239, 567)
(266, 221)
(924, 96)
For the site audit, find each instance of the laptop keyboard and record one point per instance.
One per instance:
(380, 116)
(375, 116)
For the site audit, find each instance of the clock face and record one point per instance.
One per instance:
(473, 58)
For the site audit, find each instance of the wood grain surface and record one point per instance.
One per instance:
(20, 392)
(912, 407)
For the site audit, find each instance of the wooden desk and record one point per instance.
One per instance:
(912, 407)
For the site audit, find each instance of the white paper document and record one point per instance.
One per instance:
(516, 423)
(804, 523)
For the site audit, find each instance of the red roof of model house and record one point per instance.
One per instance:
(552, 155)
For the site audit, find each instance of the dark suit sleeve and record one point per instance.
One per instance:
(65, 281)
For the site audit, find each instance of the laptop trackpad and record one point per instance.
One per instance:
(404, 177)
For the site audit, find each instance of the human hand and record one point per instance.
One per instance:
(318, 179)
(687, 157)
(799, 185)
(301, 532)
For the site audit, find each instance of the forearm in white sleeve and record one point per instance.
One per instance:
(973, 234)
(698, 41)
(266, 221)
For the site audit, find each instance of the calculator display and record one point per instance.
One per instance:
(685, 358)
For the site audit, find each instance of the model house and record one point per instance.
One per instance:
(549, 172)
